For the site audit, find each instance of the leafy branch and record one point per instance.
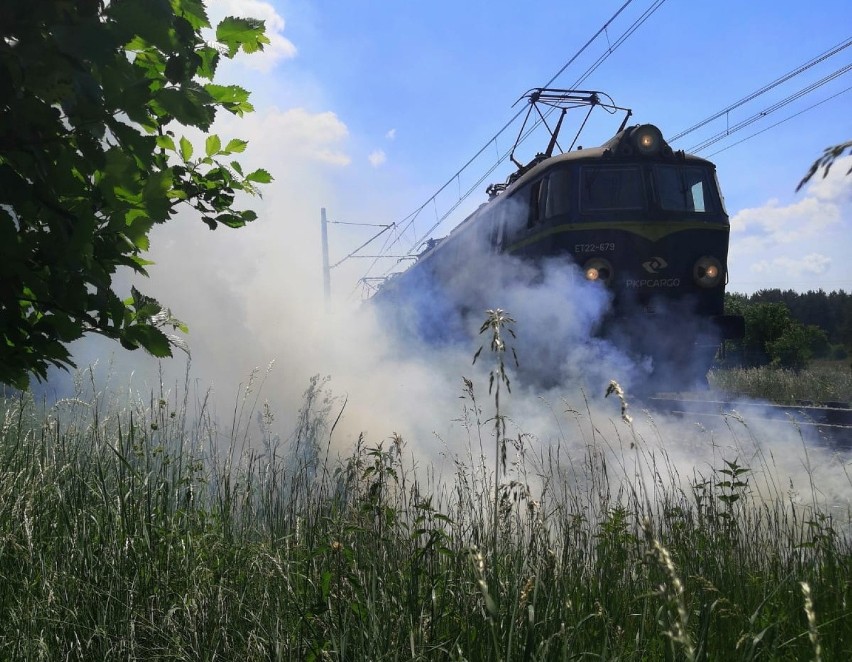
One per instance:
(829, 156)
(91, 97)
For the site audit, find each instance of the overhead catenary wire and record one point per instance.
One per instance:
(364, 245)
(712, 140)
(407, 222)
(766, 88)
(786, 119)
(364, 225)
(612, 48)
(795, 72)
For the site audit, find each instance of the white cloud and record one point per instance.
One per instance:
(279, 47)
(293, 135)
(779, 224)
(837, 185)
(803, 244)
(391, 135)
(377, 157)
(813, 263)
(820, 210)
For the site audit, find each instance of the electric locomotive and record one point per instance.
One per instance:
(641, 219)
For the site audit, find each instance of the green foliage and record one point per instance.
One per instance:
(829, 156)
(830, 311)
(92, 98)
(791, 349)
(765, 323)
(772, 335)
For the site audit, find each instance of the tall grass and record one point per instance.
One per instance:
(825, 382)
(134, 529)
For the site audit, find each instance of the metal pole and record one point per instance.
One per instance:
(326, 270)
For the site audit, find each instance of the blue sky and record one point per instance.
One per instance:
(384, 101)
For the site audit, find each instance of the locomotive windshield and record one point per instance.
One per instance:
(606, 188)
(672, 188)
(683, 188)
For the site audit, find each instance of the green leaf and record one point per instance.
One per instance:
(235, 146)
(246, 33)
(213, 145)
(232, 97)
(209, 61)
(137, 264)
(259, 176)
(155, 195)
(138, 226)
(145, 307)
(147, 337)
(185, 149)
(188, 105)
(175, 68)
(66, 329)
(231, 220)
(166, 142)
(149, 19)
(193, 11)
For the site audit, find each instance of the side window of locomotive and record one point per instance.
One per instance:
(538, 202)
(719, 191)
(497, 225)
(604, 188)
(558, 193)
(515, 213)
(683, 188)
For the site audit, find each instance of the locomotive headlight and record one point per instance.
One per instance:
(598, 269)
(707, 271)
(647, 139)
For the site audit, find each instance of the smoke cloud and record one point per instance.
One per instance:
(253, 297)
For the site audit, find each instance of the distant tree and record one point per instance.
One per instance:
(92, 97)
(773, 295)
(797, 345)
(765, 323)
(844, 331)
(817, 341)
(790, 349)
(829, 156)
(830, 313)
(813, 308)
(772, 335)
(735, 303)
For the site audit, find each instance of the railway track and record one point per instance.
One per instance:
(832, 424)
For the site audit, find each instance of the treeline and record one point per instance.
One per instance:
(788, 328)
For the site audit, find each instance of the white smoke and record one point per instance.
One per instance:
(253, 296)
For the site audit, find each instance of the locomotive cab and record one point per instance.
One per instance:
(638, 218)
(648, 223)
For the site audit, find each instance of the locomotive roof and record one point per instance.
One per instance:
(608, 153)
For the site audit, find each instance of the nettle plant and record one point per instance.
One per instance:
(94, 95)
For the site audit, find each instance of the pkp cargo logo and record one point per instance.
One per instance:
(655, 265)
